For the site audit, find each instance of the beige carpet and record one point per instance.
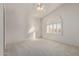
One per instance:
(41, 47)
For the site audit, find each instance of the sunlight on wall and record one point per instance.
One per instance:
(33, 32)
(32, 29)
(59, 27)
(48, 28)
(55, 27)
(34, 35)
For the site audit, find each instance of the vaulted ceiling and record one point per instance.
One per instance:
(48, 7)
(29, 9)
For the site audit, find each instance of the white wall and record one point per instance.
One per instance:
(1, 29)
(70, 16)
(19, 21)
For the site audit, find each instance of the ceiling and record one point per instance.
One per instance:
(48, 7)
(29, 9)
